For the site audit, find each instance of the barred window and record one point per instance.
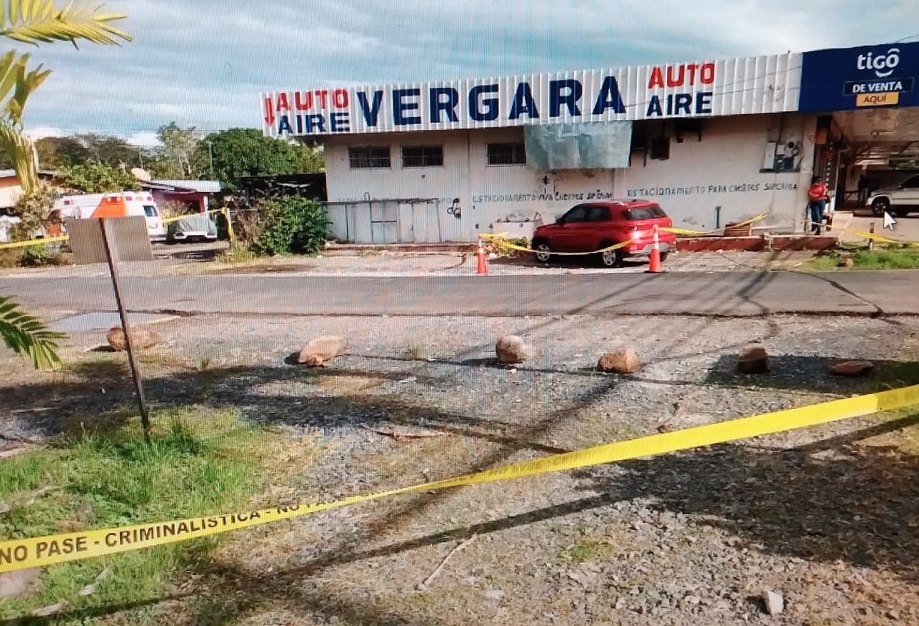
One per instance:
(506, 153)
(369, 157)
(422, 156)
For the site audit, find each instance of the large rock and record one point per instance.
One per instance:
(621, 362)
(322, 349)
(511, 349)
(16, 583)
(852, 368)
(774, 602)
(753, 360)
(142, 337)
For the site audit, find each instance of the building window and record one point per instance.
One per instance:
(506, 153)
(422, 156)
(368, 157)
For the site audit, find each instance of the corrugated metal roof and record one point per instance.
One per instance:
(199, 186)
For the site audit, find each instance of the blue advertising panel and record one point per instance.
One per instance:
(856, 78)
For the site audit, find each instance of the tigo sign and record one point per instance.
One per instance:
(837, 80)
(632, 93)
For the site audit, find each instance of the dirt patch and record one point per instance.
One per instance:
(822, 515)
(266, 269)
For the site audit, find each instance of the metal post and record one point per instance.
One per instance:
(135, 374)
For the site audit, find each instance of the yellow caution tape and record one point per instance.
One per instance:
(33, 242)
(510, 246)
(17, 554)
(691, 233)
(881, 238)
(701, 233)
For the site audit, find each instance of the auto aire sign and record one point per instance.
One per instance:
(647, 92)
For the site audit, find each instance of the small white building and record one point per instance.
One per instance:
(713, 142)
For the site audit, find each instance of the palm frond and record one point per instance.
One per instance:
(41, 21)
(26, 334)
(21, 151)
(26, 83)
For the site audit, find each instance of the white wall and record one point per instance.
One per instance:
(724, 169)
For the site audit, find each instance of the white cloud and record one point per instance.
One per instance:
(40, 132)
(144, 140)
(210, 77)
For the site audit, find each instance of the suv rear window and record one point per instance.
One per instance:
(643, 213)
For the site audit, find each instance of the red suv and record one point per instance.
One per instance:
(596, 225)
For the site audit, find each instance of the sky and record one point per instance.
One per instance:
(204, 63)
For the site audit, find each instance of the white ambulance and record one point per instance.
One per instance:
(120, 204)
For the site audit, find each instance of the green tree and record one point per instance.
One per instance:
(242, 152)
(292, 225)
(95, 177)
(182, 159)
(112, 151)
(55, 152)
(34, 22)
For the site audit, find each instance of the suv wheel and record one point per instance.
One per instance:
(543, 251)
(611, 258)
(880, 206)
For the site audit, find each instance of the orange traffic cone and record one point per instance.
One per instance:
(481, 267)
(654, 266)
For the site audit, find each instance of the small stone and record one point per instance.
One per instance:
(50, 610)
(16, 583)
(322, 349)
(753, 360)
(774, 601)
(622, 362)
(852, 368)
(511, 349)
(142, 337)
(494, 594)
(894, 615)
(846, 262)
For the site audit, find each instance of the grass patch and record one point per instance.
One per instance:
(584, 551)
(877, 259)
(240, 253)
(414, 352)
(197, 464)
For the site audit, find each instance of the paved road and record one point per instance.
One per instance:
(905, 229)
(721, 293)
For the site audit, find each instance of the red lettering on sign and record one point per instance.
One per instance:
(269, 110)
(303, 100)
(340, 99)
(283, 104)
(678, 80)
(707, 75)
(682, 75)
(322, 93)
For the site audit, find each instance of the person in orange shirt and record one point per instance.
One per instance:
(817, 198)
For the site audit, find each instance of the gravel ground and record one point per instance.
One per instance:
(824, 516)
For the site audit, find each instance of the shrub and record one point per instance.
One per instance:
(291, 225)
(40, 256)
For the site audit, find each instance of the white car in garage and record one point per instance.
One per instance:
(901, 200)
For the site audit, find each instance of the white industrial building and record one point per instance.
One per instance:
(713, 141)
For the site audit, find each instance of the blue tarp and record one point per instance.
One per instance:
(594, 145)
